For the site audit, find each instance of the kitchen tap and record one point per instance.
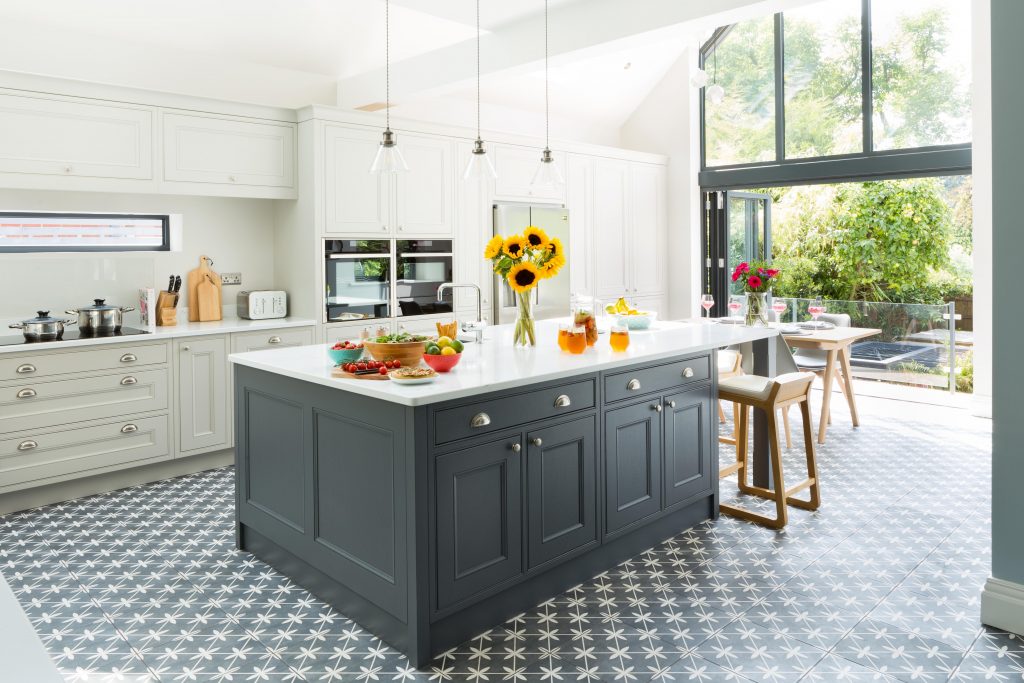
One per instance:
(477, 327)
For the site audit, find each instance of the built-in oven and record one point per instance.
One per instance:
(371, 279)
(357, 279)
(421, 266)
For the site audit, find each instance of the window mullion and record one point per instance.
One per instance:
(780, 90)
(866, 78)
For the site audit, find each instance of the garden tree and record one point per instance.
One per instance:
(880, 241)
(916, 100)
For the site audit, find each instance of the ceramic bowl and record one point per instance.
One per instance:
(442, 363)
(641, 321)
(344, 355)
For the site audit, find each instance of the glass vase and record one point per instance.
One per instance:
(524, 333)
(757, 309)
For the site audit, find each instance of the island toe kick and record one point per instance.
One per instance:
(429, 524)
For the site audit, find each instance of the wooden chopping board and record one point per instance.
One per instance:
(203, 275)
(338, 372)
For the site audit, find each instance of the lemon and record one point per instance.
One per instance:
(444, 341)
(448, 351)
(610, 309)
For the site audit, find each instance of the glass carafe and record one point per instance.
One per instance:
(584, 314)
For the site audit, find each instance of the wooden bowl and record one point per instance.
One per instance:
(408, 353)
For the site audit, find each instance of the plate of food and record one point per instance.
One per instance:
(413, 375)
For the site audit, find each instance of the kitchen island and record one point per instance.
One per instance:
(431, 513)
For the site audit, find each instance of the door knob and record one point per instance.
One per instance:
(657, 407)
(671, 404)
(538, 441)
(516, 448)
(687, 372)
(186, 348)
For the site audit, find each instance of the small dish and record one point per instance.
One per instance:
(413, 380)
(340, 356)
(413, 375)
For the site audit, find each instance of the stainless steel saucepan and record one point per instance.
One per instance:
(43, 327)
(100, 318)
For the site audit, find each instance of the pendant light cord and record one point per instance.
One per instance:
(547, 108)
(387, 64)
(478, 69)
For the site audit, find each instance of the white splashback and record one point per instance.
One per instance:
(236, 233)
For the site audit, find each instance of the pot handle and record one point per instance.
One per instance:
(70, 322)
(127, 309)
(72, 311)
(16, 326)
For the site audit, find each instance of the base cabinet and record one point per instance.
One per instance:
(632, 447)
(688, 456)
(479, 519)
(202, 384)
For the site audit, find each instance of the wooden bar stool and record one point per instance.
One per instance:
(730, 364)
(770, 395)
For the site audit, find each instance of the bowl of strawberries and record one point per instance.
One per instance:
(345, 352)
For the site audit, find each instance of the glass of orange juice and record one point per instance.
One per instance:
(563, 336)
(619, 337)
(576, 340)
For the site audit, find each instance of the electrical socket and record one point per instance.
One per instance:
(231, 278)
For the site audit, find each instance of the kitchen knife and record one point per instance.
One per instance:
(170, 285)
(177, 284)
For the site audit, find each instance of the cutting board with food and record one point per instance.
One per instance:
(364, 369)
(204, 292)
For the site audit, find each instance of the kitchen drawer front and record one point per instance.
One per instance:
(36, 405)
(28, 368)
(633, 383)
(270, 339)
(482, 417)
(48, 454)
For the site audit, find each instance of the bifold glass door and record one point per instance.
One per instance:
(737, 228)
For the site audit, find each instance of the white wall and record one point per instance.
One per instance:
(666, 123)
(981, 59)
(236, 233)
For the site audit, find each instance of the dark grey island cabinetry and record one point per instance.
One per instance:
(430, 514)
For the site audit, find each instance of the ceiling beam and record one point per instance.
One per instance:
(585, 25)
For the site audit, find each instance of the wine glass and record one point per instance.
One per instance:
(735, 305)
(707, 302)
(779, 307)
(816, 308)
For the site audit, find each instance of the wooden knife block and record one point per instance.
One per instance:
(166, 309)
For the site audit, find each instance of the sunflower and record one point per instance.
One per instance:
(551, 267)
(493, 247)
(535, 237)
(515, 246)
(523, 276)
(555, 247)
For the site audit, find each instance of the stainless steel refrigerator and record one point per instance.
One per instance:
(551, 296)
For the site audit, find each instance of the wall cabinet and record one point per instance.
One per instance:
(515, 167)
(580, 200)
(75, 139)
(221, 151)
(648, 224)
(201, 398)
(358, 203)
(610, 221)
(479, 519)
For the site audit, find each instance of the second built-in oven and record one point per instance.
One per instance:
(374, 279)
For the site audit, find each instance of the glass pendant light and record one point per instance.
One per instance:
(716, 93)
(547, 174)
(479, 166)
(389, 158)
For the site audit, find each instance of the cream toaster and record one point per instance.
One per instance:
(262, 305)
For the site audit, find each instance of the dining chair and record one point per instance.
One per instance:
(814, 360)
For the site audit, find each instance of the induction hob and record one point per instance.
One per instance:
(71, 335)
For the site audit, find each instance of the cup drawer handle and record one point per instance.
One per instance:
(633, 385)
(25, 369)
(563, 401)
(129, 381)
(274, 340)
(129, 429)
(26, 393)
(480, 420)
(129, 358)
(27, 445)
(687, 373)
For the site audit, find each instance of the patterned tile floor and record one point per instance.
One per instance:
(881, 584)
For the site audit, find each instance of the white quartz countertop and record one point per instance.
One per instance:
(182, 329)
(496, 364)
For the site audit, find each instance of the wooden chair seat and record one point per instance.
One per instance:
(770, 395)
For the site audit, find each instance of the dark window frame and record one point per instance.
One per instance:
(869, 164)
(165, 242)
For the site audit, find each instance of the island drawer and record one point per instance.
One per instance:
(482, 417)
(646, 380)
(104, 357)
(35, 405)
(31, 457)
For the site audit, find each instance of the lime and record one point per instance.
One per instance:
(457, 345)
(433, 350)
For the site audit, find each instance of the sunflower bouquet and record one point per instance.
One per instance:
(523, 261)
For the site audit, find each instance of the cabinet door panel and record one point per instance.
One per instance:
(270, 339)
(611, 252)
(356, 200)
(632, 464)
(580, 202)
(479, 520)
(202, 393)
(688, 454)
(561, 494)
(648, 229)
(516, 166)
(55, 137)
(426, 198)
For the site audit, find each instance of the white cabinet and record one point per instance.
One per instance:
(242, 342)
(359, 203)
(648, 233)
(63, 138)
(611, 222)
(229, 152)
(474, 217)
(580, 202)
(201, 393)
(515, 167)
(424, 201)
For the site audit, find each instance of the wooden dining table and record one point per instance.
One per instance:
(836, 342)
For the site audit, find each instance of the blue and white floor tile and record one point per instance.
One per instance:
(881, 584)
